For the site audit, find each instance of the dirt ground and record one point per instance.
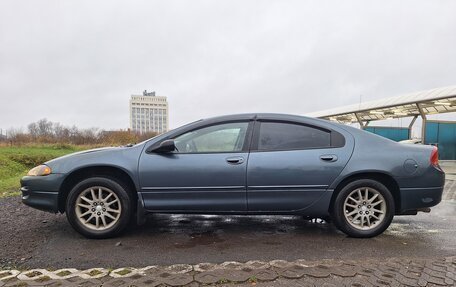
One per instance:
(33, 239)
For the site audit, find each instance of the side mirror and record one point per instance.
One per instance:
(165, 146)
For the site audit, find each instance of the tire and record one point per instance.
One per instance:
(361, 218)
(99, 207)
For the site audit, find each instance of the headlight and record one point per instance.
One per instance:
(40, 170)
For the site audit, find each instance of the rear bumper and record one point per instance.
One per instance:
(42, 192)
(417, 198)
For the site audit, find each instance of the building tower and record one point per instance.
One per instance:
(149, 113)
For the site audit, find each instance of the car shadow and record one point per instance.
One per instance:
(232, 224)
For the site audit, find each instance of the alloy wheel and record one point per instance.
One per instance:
(98, 208)
(365, 208)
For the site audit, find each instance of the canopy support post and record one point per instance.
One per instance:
(411, 125)
(361, 124)
(413, 121)
(423, 127)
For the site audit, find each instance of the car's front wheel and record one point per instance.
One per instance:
(99, 207)
(363, 208)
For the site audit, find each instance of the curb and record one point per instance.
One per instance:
(410, 272)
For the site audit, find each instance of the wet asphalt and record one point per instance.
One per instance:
(47, 241)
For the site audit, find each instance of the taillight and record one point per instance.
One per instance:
(434, 157)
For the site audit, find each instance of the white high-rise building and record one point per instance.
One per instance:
(149, 113)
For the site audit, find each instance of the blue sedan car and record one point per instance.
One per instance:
(242, 164)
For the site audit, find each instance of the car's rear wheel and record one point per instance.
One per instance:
(363, 208)
(99, 207)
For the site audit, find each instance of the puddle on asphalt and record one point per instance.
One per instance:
(218, 231)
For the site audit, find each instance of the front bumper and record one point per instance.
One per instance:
(42, 192)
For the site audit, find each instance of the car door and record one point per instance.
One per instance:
(207, 172)
(291, 165)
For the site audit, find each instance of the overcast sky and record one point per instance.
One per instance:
(78, 62)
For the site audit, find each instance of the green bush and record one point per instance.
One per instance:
(16, 161)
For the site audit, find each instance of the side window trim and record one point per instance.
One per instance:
(255, 137)
(340, 142)
(252, 142)
(248, 136)
(245, 145)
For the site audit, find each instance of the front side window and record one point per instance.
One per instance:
(218, 138)
(286, 136)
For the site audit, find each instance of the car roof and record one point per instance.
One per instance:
(251, 116)
(321, 123)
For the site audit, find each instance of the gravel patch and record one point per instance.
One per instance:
(20, 236)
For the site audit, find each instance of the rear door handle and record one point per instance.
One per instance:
(328, 157)
(235, 160)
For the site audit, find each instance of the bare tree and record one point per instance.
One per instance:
(33, 130)
(44, 131)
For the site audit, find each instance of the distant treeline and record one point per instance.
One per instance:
(47, 132)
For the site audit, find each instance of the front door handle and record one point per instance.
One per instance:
(328, 157)
(235, 160)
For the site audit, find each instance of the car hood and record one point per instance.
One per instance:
(79, 153)
(108, 156)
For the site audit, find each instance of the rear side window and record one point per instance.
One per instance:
(285, 136)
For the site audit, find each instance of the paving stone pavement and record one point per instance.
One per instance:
(449, 192)
(390, 272)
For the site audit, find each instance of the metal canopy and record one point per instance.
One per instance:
(435, 101)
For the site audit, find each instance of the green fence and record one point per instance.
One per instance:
(395, 134)
(442, 134)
